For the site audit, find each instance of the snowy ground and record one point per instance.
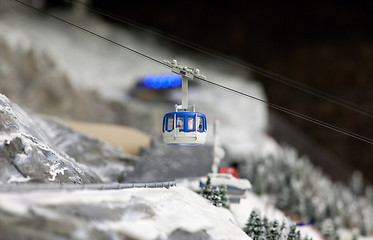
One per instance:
(135, 213)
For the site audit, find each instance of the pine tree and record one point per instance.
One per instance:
(223, 196)
(262, 233)
(274, 233)
(258, 225)
(297, 235)
(217, 196)
(282, 234)
(207, 191)
(249, 227)
(327, 228)
(292, 234)
(216, 200)
(266, 225)
(283, 225)
(357, 183)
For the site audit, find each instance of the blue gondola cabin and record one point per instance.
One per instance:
(184, 128)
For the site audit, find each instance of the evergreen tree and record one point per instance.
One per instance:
(309, 209)
(216, 200)
(282, 234)
(207, 191)
(327, 228)
(266, 225)
(283, 225)
(223, 196)
(357, 183)
(297, 236)
(258, 227)
(262, 233)
(274, 233)
(292, 234)
(217, 196)
(249, 227)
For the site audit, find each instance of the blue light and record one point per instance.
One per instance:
(157, 81)
(176, 80)
(163, 80)
(147, 81)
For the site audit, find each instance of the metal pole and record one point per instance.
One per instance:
(218, 151)
(184, 89)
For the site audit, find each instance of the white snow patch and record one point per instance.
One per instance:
(310, 232)
(363, 238)
(175, 209)
(134, 230)
(56, 169)
(251, 201)
(18, 179)
(13, 204)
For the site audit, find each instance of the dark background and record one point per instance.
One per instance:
(327, 45)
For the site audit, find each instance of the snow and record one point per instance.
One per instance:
(30, 157)
(132, 229)
(310, 232)
(56, 169)
(159, 211)
(18, 179)
(218, 179)
(364, 238)
(250, 202)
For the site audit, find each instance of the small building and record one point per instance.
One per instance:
(236, 187)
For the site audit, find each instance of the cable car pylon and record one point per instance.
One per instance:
(185, 126)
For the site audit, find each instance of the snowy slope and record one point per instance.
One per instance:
(175, 213)
(26, 155)
(107, 161)
(251, 201)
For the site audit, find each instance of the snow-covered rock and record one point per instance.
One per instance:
(175, 213)
(26, 155)
(107, 161)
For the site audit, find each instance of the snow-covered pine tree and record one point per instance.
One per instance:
(223, 196)
(216, 199)
(266, 225)
(327, 228)
(297, 235)
(262, 233)
(208, 191)
(294, 199)
(357, 183)
(258, 229)
(274, 233)
(292, 234)
(283, 225)
(282, 234)
(285, 168)
(249, 227)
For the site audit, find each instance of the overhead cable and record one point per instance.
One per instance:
(253, 68)
(274, 106)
